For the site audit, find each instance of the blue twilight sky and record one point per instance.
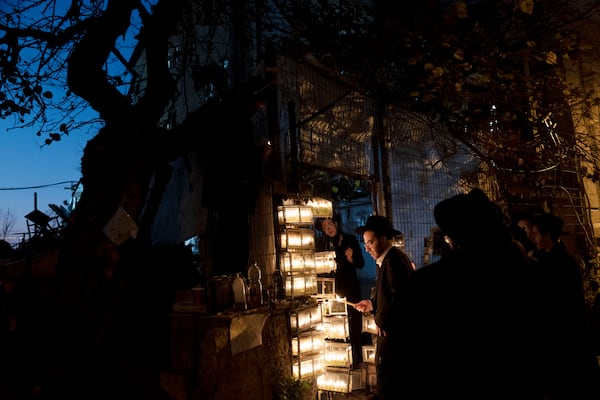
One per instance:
(26, 165)
(26, 168)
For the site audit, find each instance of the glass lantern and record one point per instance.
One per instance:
(298, 239)
(335, 306)
(335, 327)
(300, 285)
(308, 343)
(337, 354)
(295, 215)
(368, 353)
(325, 288)
(340, 380)
(306, 318)
(308, 367)
(325, 261)
(297, 262)
(368, 324)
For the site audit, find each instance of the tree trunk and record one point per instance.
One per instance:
(105, 320)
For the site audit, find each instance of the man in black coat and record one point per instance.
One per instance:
(393, 272)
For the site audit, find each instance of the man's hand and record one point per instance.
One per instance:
(348, 254)
(364, 306)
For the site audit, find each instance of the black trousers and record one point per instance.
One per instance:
(386, 367)
(355, 333)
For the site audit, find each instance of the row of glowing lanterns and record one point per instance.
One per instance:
(298, 239)
(343, 382)
(308, 284)
(303, 261)
(332, 327)
(312, 317)
(304, 214)
(299, 285)
(341, 357)
(335, 354)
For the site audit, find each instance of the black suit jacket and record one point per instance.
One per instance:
(392, 278)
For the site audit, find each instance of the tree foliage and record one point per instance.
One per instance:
(492, 72)
(37, 39)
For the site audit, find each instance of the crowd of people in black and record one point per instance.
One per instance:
(501, 315)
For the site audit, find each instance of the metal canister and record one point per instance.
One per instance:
(220, 293)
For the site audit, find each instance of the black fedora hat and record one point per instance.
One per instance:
(550, 223)
(463, 216)
(380, 225)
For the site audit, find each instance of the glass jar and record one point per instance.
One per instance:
(278, 284)
(238, 287)
(255, 292)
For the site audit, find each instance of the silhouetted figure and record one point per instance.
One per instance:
(572, 370)
(471, 320)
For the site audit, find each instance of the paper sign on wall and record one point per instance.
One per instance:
(246, 332)
(120, 227)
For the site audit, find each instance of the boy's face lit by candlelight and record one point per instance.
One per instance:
(329, 227)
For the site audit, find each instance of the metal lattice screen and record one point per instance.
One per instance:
(335, 124)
